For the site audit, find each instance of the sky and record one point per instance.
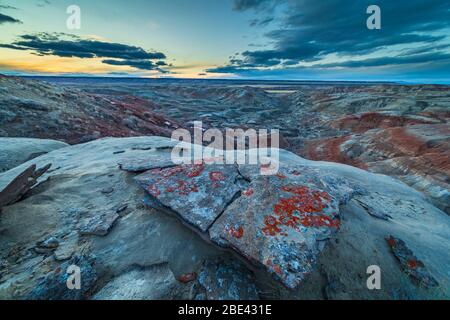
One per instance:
(248, 39)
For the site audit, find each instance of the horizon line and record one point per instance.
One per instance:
(411, 82)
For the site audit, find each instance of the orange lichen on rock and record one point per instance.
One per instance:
(194, 170)
(216, 177)
(303, 208)
(237, 232)
(180, 186)
(276, 268)
(412, 264)
(248, 192)
(391, 242)
(187, 277)
(271, 226)
(183, 188)
(153, 190)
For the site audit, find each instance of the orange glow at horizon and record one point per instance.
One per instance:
(12, 60)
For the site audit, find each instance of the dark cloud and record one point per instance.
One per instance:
(242, 5)
(261, 22)
(7, 7)
(63, 45)
(7, 19)
(310, 30)
(138, 64)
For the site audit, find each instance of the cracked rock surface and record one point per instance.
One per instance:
(198, 193)
(280, 222)
(325, 229)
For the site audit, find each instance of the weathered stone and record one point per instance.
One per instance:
(187, 277)
(226, 280)
(410, 264)
(51, 243)
(18, 187)
(281, 222)
(107, 190)
(149, 237)
(374, 211)
(121, 208)
(53, 286)
(67, 247)
(151, 283)
(99, 224)
(197, 193)
(143, 164)
(46, 246)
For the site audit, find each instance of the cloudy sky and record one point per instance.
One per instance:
(261, 39)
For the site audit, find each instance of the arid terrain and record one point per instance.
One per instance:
(398, 130)
(370, 161)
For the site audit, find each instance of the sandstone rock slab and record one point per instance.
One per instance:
(197, 193)
(280, 223)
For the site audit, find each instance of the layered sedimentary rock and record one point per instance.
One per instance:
(36, 109)
(374, 127)
(417, 154)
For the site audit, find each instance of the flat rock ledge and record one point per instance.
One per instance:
(280, 222)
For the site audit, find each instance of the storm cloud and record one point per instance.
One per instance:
(64, 45)
(7, 19)
(308, 31)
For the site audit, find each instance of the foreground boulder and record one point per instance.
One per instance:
(87, 209)
(282, 222)
(277, 222)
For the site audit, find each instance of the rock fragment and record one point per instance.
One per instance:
(227, 280)
(99, 224)
(187, 277)
(67, 247)
(197, 193)
(410, 264)
(47, 245)
(53, 286)
(374, 211)
(107, 190)
(150, 283)
(24, 182)
(280, 226)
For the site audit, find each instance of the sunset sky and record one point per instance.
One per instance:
(258, 39)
